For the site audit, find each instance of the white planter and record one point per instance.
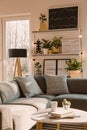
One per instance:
(45, 51)
(74, 73)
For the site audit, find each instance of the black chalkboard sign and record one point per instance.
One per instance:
(63, 18)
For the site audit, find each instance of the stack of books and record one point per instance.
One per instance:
(62, 114)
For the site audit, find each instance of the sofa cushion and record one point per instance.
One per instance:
(78, 101)
(21, 116)
(56, 85)
(29, 86)
(77, 85)
(41, 82)
(9, 91)
(50, 97)
(39, 103)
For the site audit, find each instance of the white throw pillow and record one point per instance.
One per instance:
(9, 91)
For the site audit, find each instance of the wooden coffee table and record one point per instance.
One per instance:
(42, 117)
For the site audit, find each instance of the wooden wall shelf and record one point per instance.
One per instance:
(54, 30)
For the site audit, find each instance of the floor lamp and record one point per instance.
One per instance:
(17, 53)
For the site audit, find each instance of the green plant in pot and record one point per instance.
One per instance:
(73, 67)
(57, 44)
(37, 68)
(38, 47)
(42, 18)
(37, 65)
(45, 45)
(43, 22)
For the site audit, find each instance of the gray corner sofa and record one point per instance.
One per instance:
(77, 92)
(18, 102)
(22, 97)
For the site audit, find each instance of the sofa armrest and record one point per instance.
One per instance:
(5, 119)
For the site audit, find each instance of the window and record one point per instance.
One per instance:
(17, 35)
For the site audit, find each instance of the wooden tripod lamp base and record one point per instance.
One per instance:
(17, 53)
(18, 68)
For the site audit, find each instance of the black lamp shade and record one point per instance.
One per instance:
(17, 53)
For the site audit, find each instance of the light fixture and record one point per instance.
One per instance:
(81, 53)
(17, 53)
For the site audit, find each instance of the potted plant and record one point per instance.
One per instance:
(73, 67)
(57, 43)
(38, 47)
(42, 18)
(37, 67)
(43, 22)
(50, 47)
(45, 45)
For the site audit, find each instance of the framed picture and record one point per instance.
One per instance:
(49, 67)
(61, 65)
(63, 18)
(54, 66)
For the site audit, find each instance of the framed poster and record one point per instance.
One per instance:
(49, 67)
(63, 18)
(54, 66)
(61, 65)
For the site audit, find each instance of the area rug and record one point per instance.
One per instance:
(62, 127)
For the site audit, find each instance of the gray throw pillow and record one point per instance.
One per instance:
(29, 86)
(9, 91)
(56, 85)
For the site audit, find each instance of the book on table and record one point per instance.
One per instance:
(62, 114)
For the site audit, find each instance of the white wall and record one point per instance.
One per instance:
(35, 7)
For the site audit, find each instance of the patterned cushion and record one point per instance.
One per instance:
(9, 91)
(56, 85)
(29, 86)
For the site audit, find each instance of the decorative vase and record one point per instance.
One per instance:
(66, 104)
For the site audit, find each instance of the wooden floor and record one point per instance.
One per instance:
(62, 127)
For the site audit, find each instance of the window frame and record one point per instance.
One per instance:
(4, 50)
